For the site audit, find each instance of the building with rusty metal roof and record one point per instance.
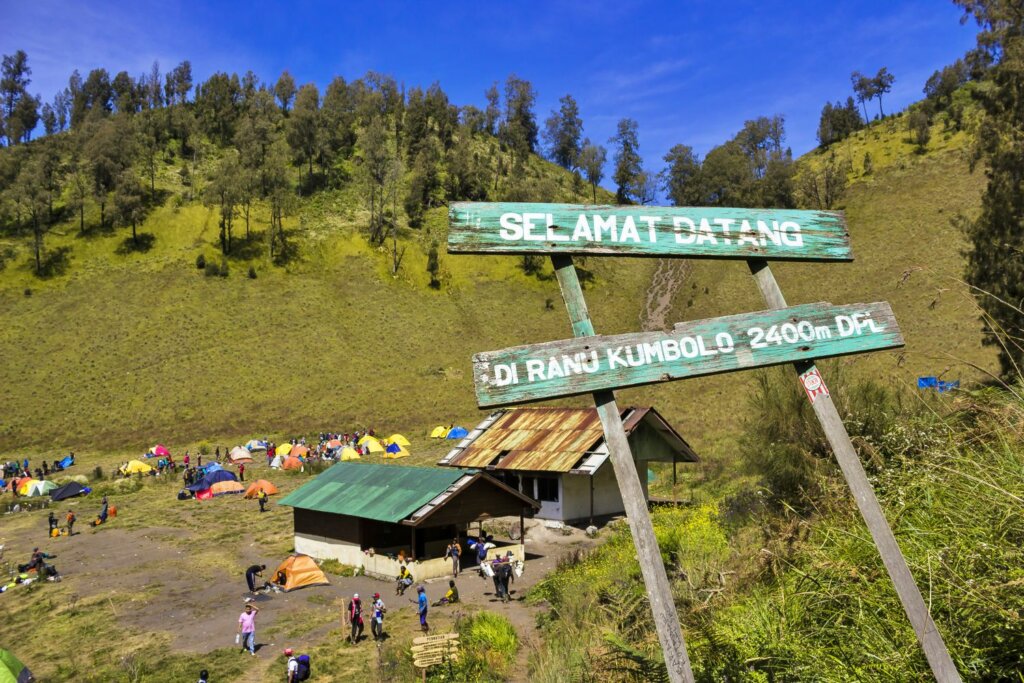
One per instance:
(559, 457)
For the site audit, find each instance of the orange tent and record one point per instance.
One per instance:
(299, 571)
(226, 487)
(292, 463)
(255, 487)
(299, 451)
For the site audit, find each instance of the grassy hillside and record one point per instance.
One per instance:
(128, 348)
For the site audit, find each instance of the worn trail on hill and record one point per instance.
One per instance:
(667, 280)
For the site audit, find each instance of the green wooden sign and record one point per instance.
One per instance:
(523, 228)
(702, 347)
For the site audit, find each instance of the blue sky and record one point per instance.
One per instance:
(688, 72)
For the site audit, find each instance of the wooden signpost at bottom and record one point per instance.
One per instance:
(428, 651)
(659, 592)
(910, 596)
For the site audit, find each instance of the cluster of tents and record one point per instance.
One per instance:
(29, 488)
(452, 432)
(217, 481)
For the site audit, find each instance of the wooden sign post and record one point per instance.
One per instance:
(599, 364)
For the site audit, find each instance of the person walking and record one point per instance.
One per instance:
(454, 551)
(293, 665)
(71, 522)
(261, 498)
(423, 609)
(247, 628)
(377, 618)
(354, 617)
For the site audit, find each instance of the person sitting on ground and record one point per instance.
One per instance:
(404, 580)
(451, 597)
(281, 578)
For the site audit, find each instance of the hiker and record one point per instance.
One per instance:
(481, 552)
(53, 523)
(204, 676)
(241, 471)
(250, 576)
(298, 667)
(104, 511)
(70, 519)
(377, 619)
(454, 551)
(247, 628)
(354, 616)
(404, 580)
(502, 576)
(216, 454)
(186, 460)
(497, 580)
(423, 609)
(451, 597)
(261, 498)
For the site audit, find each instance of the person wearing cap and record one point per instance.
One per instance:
(355, 618)
(423, 608)
(377, 619)
(293, 664)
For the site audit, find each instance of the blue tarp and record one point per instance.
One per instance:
(68, 461)
(212, 478)
(212, 467)
(457, 433)
(935, 383)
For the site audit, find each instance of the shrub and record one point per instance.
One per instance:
(97, 473)
(223, 268)
(211, 269)
(201, 262)
(252, 272)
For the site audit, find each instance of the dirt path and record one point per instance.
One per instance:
(667, 280)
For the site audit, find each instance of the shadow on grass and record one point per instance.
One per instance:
(142, 243)
(54, 263)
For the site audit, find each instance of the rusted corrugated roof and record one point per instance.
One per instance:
(548, 439)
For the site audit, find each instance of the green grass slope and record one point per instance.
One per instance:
(125, 349)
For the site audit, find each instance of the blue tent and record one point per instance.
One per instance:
(393, 448)
(457, 433)
(68, 461)
(212, 478)
(212, 467)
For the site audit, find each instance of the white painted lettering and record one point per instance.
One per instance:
(511, 226)
(582, 230)
(681, 224)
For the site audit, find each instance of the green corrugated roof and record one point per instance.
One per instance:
(387, 493)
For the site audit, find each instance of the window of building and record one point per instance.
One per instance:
(547, 489)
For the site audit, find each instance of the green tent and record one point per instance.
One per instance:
(12, 670)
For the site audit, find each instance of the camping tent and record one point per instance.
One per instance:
(255, 487)
(292, 463)
(439, 432)
(212, 478)
(349, 453)
(12, 670)
(222, 487)
(41, 488)
(372, 445)
(158, 450)
(333, 443)
(399, 439)
(395, 451)
(239, 454)
(256, 445)
(136, 467)
(284, 449)
(276, 462)
(299, 451)
(69, 490)
(457, 433)
(212, 467)
(15, 483)
(204, 494)
(24, 485)
(300, 571)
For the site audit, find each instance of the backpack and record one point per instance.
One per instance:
(303, 671)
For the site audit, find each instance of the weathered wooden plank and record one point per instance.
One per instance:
(437, 638)
(928, 635)
(659, 592)
(522, 228)
(703, 347)
(440, 646)
(423, 661)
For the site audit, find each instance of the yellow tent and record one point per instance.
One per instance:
(284, 449)
(399, 439)
(364, 438)
(25, 486)
(439, 432)
(372, 445)
(349, 453)
(136, 467)
(400, 454)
